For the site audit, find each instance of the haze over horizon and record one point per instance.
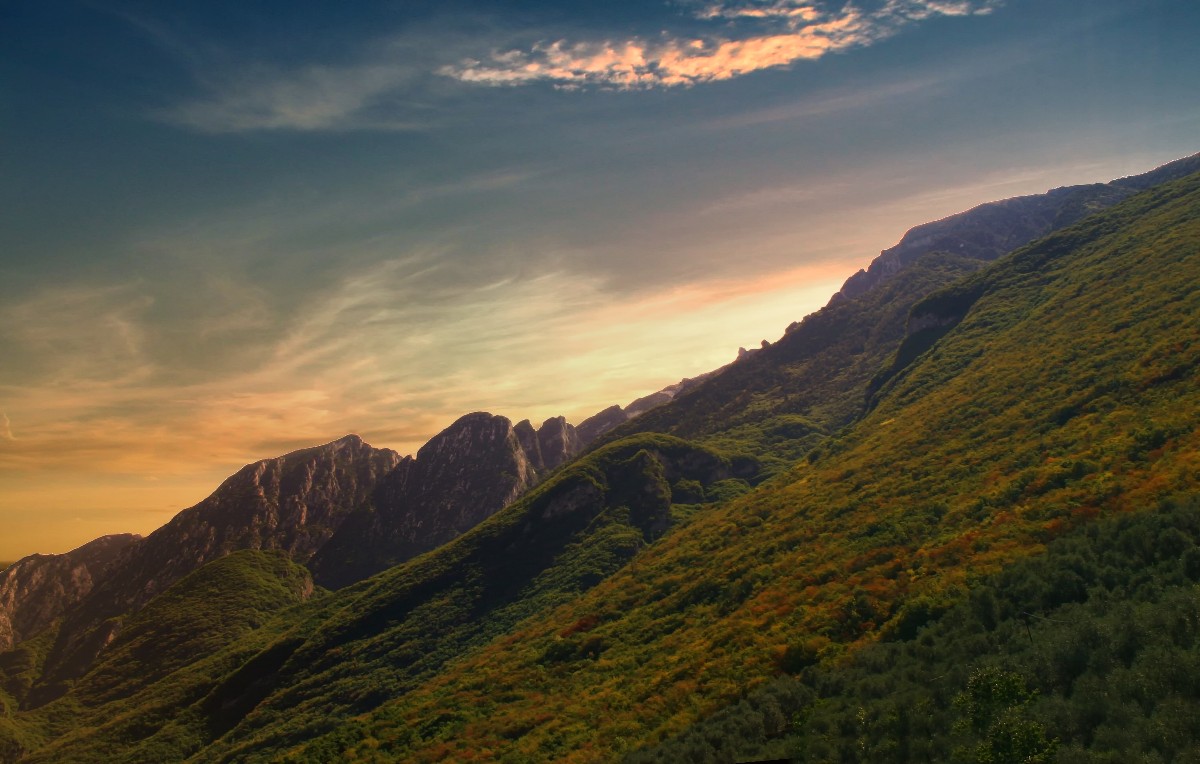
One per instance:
(235, 230)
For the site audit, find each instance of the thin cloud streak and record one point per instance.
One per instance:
(796, 32)
(314, 98)
(370, 361)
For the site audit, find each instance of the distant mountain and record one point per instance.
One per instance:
(345, 509)
(293, 503)
(38, 589)
(600, 423)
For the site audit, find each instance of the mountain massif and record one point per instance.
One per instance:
(950, 516)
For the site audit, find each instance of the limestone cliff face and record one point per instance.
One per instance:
(474, 468)
(294, 503)
(38, 589)
(554, 443)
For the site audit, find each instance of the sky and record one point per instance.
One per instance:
(233, 229)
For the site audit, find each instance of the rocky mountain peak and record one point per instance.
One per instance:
(293, 503)
(464, 474)
(614, 416)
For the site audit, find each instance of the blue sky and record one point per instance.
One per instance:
(232, 229)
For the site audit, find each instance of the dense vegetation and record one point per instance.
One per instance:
(222, 605)
(1091, 651)
(656, 592)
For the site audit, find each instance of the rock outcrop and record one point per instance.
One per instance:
(462, 476)
(292, 503)
(614, 416)
(38, 589)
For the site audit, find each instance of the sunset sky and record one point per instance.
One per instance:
(233, 229)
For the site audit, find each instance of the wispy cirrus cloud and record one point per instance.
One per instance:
(754, 36)
(313, 98)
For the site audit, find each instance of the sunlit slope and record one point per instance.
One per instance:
(1063, 388)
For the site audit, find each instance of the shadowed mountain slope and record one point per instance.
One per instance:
(465, 474)
(402, 626)
(292, 503)
(345, 509)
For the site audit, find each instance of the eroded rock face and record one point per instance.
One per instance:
(294, 503)
(467, 473)
(40, 588)
(601, 422)
(557, 443)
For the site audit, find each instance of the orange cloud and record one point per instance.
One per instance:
(804, 33)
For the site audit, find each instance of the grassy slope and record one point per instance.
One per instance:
(1099, 638)
(1066, 392)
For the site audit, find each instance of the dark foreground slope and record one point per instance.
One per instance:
(611, 607)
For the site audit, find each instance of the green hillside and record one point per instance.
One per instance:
(661, 592)
(1091, 651)
(222, 605)
(1064, 392)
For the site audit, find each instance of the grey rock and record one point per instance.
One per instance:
(39, 589)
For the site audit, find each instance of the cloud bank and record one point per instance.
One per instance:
(753, 36)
